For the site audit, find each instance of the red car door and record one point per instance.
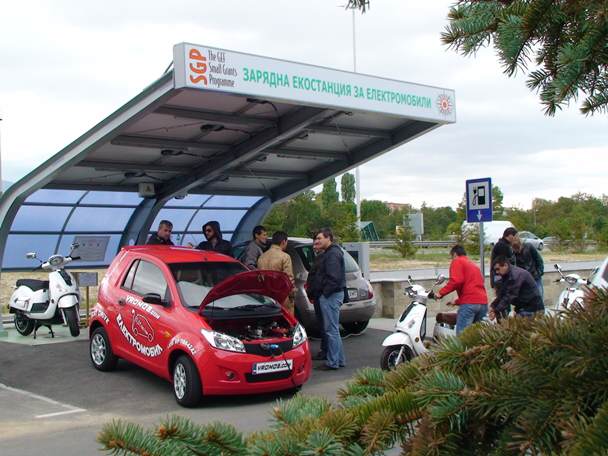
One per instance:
(145, 328)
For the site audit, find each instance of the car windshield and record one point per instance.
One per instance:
(195, 280)
(307, 254)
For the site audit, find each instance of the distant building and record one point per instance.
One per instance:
(398, 206)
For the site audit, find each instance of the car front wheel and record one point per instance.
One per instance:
(355, 327)
(186, 382)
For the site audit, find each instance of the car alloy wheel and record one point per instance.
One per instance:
(98, 349)
(179, 381)
(186, 382)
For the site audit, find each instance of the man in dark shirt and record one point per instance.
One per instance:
(332, 281)
(214, 241)
(163, 235)
(518, 289)
(502, 249)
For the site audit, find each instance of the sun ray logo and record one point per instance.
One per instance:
(444, 103)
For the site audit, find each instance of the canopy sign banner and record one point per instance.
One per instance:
(206, 68)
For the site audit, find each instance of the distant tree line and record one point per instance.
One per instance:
(575, 219)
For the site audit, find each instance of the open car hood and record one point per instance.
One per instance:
(274, 284)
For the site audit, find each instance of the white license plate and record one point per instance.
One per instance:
(272, 366)
(353, 293)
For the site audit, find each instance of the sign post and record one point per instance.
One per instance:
(479, 209)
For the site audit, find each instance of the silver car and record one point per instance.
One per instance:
(531, 238)
(355, 314)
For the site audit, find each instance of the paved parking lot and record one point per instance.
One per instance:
(52, 401)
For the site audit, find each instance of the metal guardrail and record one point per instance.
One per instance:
(422, 244)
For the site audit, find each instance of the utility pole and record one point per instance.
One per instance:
(357, 175)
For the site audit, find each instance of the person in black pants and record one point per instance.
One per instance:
(313, 291)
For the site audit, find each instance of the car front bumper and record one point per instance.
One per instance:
(226, 373)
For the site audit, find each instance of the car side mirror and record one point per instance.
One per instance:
(30, 255)
(154, 298)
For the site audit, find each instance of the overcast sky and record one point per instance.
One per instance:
(65, 65)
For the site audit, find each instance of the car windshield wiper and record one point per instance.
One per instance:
(248, 307)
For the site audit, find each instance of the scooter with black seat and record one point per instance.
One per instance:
(37, 303)
(408, 340)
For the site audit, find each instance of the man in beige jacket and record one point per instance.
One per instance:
(276, 259)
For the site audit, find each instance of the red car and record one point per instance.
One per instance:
(200, 320)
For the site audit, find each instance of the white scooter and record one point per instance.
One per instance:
(573, 293)
(37, 303)
(408, 340)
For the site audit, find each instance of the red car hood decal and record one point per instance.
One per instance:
(274, 284)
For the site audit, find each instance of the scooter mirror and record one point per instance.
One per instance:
(556, 266)
(440, 279)
(30, 255)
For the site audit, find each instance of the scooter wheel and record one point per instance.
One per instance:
(24, 325)
(71, 316)
(100, 351)
(390, 356)
(186, 382)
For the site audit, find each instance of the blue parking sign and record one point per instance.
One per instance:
(479, 200)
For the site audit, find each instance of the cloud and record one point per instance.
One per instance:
(69, 65)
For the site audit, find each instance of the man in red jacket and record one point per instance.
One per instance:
(466, 280)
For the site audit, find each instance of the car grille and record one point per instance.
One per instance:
(264, 348)
(39, 307)
(267, 377)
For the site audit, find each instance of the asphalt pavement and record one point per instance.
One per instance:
(52, 401)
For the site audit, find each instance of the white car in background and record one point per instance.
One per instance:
(531, 238)
(599, 278)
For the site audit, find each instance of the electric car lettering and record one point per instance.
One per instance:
(143, 306)
(180, 341)
(101, 314)
(150, 352)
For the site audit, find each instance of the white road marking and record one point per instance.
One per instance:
(48, 400)
(66, 412)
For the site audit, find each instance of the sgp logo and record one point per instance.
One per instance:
(198, 67)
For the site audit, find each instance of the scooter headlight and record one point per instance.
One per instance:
(223, 341)
(299, 336)
(571, 280)
(55, 260)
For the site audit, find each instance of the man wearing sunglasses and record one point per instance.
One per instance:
(518, 289)
(163, 235)
(214, 241)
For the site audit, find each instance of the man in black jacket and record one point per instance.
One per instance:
(314, 287)
(162, 235)
(214, 241)
(332, 280)
(502, 249)
(517, 289)
(528, 258)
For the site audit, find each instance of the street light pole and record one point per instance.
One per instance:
(357, 175)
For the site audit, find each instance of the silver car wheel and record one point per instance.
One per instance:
(98, 349)
(179, 381)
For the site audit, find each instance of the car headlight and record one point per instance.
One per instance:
(223, 341)
(299, 336)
